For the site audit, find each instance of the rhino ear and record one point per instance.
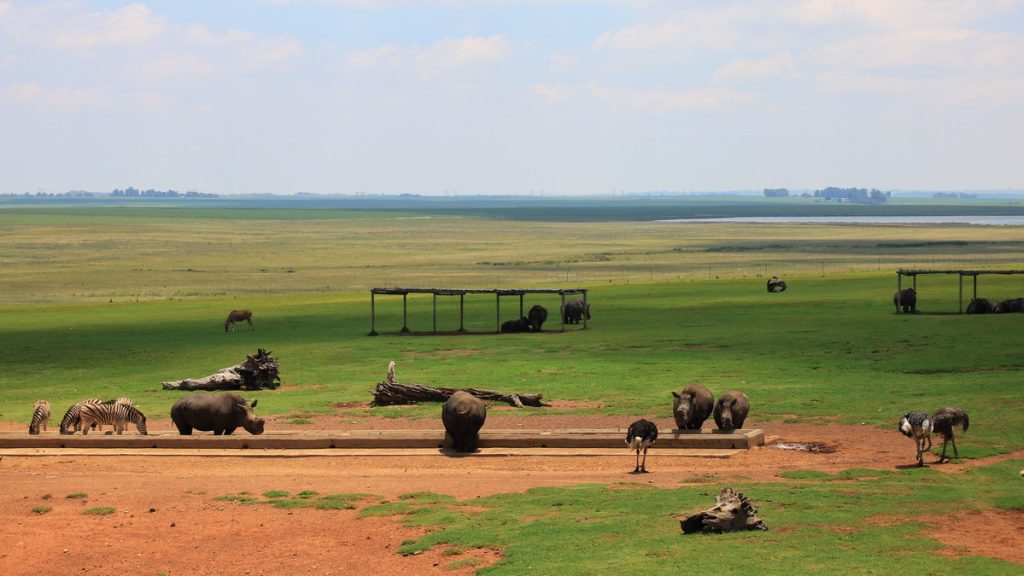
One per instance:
(676, 394)
(254, 402)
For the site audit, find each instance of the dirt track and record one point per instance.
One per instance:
(167, 519)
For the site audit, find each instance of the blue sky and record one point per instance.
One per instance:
(511, 96)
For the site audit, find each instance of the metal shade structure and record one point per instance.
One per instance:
(461, 293)
(973, 274)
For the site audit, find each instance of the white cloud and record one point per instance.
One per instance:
(897, 14)
(60, 99)
(461, 52)
(778, 66)
(58, 25)
(450, 55)
(655, 101)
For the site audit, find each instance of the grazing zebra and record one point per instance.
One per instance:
(71, 422)
(918, 425)
(116, 414)
(640, 436)
(40, 416)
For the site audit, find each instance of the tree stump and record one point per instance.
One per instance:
(255, 373)
(732, 511)
(390, 392)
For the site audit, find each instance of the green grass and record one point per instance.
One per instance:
(819, 525)
(99, 511)
(77, 495)
(41, 509)
(828, 349)
(304, 499)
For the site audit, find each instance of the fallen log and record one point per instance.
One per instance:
(255, 373)
(390, 392)
(732, 511)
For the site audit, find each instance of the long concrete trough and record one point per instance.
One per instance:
(384, 439)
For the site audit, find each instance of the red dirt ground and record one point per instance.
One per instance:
(166, 519)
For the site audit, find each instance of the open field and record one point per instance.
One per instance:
(129, 254)
(112, 303)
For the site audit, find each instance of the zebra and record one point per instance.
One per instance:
(71, 422)
(40, 416)
(116, 414)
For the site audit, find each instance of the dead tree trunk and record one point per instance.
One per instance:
(733, 511)
(390, 392)
(255, 373)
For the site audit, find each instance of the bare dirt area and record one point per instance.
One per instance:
(167, 520)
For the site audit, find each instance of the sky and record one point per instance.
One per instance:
(560, 97)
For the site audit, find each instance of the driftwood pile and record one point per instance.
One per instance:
(390, 392)
(733, 511)
(255, 373)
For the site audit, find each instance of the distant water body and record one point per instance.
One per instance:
(969, 220)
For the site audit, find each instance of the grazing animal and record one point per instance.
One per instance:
(691, 406)
(537, 315)
(220, 413)
(918, 425)
(520, 325)
(1008, 306)
(238, 316)
(776, 284)
(731, 410)
(40, 416)
(115, 413)
(979, 306)
(71, 422)
(943, 422)
(463, 416)
(906, 299)
(640, 436)
(575, 310)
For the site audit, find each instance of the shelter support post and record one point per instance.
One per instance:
(462, 314)
(899, 292)
(562, 312)
(961, 293)
(405, 313)
(373, 315)
(586, 310)
(520, 305)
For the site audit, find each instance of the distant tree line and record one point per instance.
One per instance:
(963, 195)
(131, 192)
(853, 195)
(776, 193)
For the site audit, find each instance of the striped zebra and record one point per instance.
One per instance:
(71, 422)
(40, 416)
(116, 414)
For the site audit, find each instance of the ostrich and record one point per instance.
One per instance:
(918, 425)
(640, 436)
(943, 422)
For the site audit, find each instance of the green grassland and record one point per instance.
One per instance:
(111, 302)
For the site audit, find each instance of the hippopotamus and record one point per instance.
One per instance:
(691, 406)
(1011, 305)
(520, 325)
(906, 298)
(979, 306)
(575, 310)
(731, 410)
(537, 315)
(463, 415)
(221, 413)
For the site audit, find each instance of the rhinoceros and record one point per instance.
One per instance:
(221, 413)
(463, 416)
